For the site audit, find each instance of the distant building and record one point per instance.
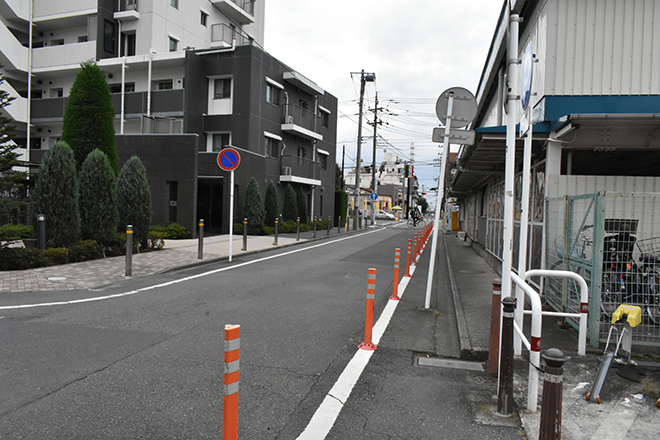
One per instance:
(187, 78)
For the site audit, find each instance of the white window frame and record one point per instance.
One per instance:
(220, 106)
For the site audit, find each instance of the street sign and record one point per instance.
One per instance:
(456, 136)
(527, 68)
(229, 159)
(464, 107)
(373, 197)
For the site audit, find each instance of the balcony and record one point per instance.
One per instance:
(300, 170)
(241, 11)
(301, 122)
(223, 35)
(63, 56)
(128, 10)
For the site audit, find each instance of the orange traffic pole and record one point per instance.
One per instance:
(414, 253)
(408, 259)
(395, 284)
(369, 317)
(230, 403)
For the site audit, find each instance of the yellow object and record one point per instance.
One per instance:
(454, 221)
(634, 314)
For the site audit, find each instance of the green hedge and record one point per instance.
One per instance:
(10, 232)
(172, 231)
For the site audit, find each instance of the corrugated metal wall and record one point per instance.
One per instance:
(603, 47)
(559, 186)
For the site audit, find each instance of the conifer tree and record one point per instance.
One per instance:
(134, 199)
(301, 200)
(89, 116)
(98, 198)
(56, 195)
(253, 208)
(271, 205)
(290, 207)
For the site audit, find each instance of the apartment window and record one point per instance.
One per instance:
(109, 36)
(204, 17)
(302, 152)
(127, 44)
(165, 84)
(222, 88)
(325, 118)
(323, 159)
(57, 42)
(272, 146)
(56, 93)
(221, 140)
(82, 39)
(304, 105)
(174, 3)
(272, 94)
(174, 44)
(128, 87)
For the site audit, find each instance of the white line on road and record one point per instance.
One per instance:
(192, 277)
(326, 414)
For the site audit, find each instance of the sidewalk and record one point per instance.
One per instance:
(623, 412)
(175, 254)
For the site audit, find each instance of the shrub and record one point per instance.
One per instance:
(55, 256)
(56, 196)
(172, 231)
(85, 250)
(341, 205)
(19, 258)
(15, 232)
(267, 230)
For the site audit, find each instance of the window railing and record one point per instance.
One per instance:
(300, 167)
(295, 114)
(128, 5)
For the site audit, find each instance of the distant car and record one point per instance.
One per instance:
(380, 214)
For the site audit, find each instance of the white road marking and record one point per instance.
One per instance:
(182, 280)
(326, 414)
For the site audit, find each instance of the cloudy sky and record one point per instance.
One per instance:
(417, 49)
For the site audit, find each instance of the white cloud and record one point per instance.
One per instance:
(417, 50)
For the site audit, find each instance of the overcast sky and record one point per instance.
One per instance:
(417, 49)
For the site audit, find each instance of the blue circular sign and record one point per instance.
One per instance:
(526, 87)
(229, 159)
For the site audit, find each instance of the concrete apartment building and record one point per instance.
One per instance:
(187, 78)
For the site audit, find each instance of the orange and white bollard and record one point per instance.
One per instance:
(369, 316)
(230, 402)
(395, 284)
(408, 258)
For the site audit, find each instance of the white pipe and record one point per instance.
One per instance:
(231, 211)
(584, 300)
(151, 52)
(535, 350)
(123, 94)
(441, 190)
(28, 117)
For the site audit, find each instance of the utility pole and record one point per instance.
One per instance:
(373, 162)
(364, 77)
(343, 156)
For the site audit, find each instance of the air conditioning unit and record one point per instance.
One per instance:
(286, 171)
(289, 119)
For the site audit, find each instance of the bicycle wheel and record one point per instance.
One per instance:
(411, 223)
(421, 223)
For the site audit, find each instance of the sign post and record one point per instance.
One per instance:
(373, 197)
(457, 107)
(228, 160)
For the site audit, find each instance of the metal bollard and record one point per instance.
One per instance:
(129, 250)
(328, 226)
(314, 227)
(494, 347)
(298, 229)
(339, 225)
(245, 228)
(550, 426)
(200, 243)
(505, 393)
(41, 231)
(277, 228)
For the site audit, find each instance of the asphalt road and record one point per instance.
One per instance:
(149, 365)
